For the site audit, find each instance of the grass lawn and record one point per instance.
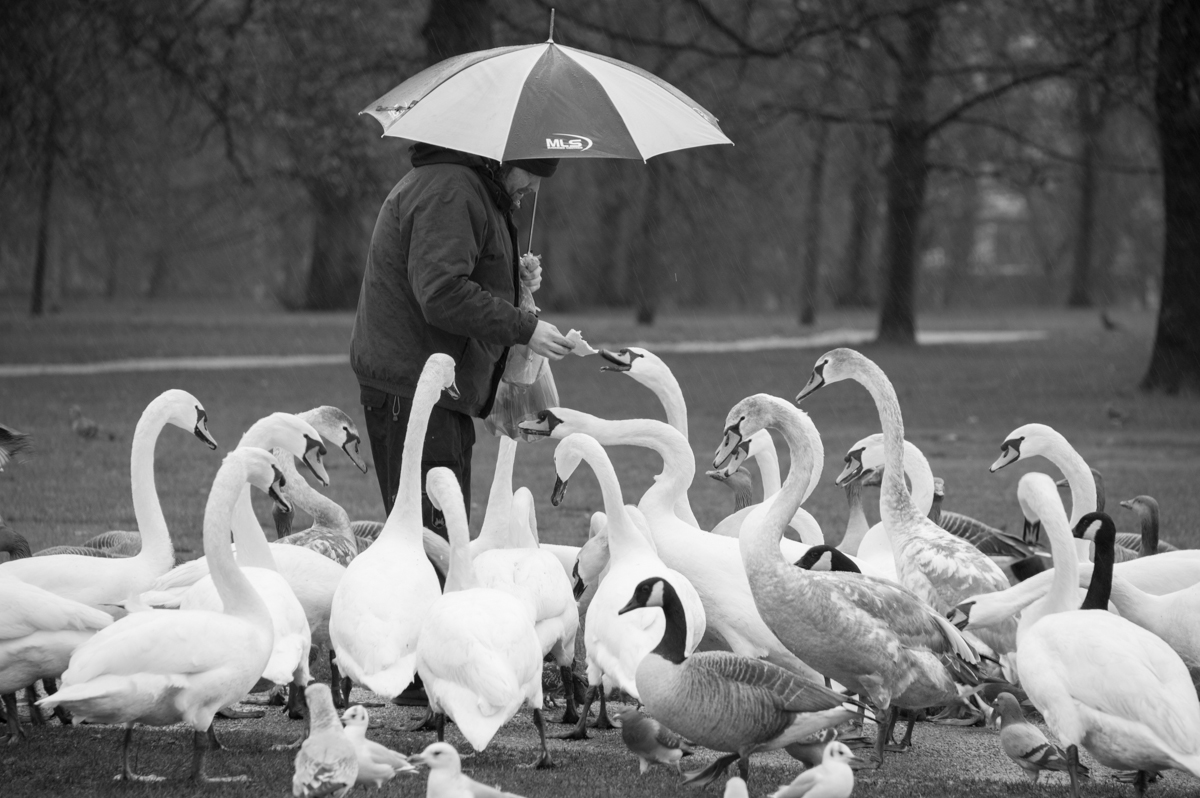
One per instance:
(959, 403)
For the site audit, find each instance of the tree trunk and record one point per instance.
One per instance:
(49, 156)
(961, 245)
(1089, 130)
(455, 27)
(646, 267)
(811, 262)
(1175, 360)
(338, 255)
(907, 171)
(854, 291)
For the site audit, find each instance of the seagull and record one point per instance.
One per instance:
(327, 763)
(736, 788)
(446, 779)
(1026, 745)
(651, 741)
(12, 443)
(377, 764)
(833, 778)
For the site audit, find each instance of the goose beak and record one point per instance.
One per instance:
(350, 447)
(632, 605)
(312, 458)
(559, 492)
(1127, 504)
(201, 429)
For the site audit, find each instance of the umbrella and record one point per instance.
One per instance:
(544, 101)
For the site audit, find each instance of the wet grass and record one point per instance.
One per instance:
(959, 404)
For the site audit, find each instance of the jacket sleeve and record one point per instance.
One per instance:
(448, 233)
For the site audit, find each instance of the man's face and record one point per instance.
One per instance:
(518, 183)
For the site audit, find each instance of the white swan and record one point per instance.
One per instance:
(940, 568)
(871, 635)
(617, 643)
(649, 370)
(102, 582)
(387, 591)
(478, 654)
(39, 630)
(703, 558)
(162, 667)
(1100, 681)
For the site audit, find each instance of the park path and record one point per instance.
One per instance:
(829, 338)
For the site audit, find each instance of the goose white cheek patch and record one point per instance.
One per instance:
(582, 347)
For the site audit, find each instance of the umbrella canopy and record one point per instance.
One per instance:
(544, 101)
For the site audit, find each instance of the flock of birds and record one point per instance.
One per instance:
(758, 635)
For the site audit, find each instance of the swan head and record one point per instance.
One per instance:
(567, 455)
(438, 756)
(439, 371)
(294, 435)
(544, 425)
(833, 366)
(623, 360)
(744, 419)
(960, 616)
(355, 716)
(590, 563)
(1025, 441)
(338, 428)
(648, 593)
(263, 472)
(185, 411)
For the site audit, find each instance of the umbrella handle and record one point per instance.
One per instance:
(532, 220)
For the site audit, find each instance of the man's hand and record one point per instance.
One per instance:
(548, 342)
(531, 272)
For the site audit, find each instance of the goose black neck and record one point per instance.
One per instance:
(837, 560)
(1102, 567)
(674, 640)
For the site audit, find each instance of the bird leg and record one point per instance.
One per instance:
(199, 754)
(602, 719)
(440, 725)
(544, 761)
(15, 731)
(297, 708)
(1141, 782)
(705, 777)
(127, 772)
(212, 738)
(338, 686)
(570, 714)
(35, 712)
(906, 741)
(61, 713)
(580, 730)
(1073, 769)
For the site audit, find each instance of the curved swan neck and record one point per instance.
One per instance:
(407, 508)
(893, 493)
(1128, 598)
(156, 539)
(237, 594)
(325, 511)
(761, 539)
(679, 465)
(856, 524)
(1064, 589)
(253, 550)
(623, 537)
(1079, 477)
(461, 573)
(673, 643)
(497, 515)
(522, 527)
(663, 384)
(768, 463)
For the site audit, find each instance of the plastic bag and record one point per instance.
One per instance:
(526, 387)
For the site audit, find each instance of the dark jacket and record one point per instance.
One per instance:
(441, 276)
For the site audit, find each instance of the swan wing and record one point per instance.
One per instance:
(29, 608)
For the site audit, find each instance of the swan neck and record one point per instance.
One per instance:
(623, 537)
(237, 594)
(324, 510)
(460, 575)
(894, 491)
(921, 476)
(856, 524)
(674, 640)
(499, 507)
(253, 550)
(156, 539)
(664, 385)
(768, 465)
(407, 507)
(1064, 590)
(1079, 477)
(760, 541)
(679, 465)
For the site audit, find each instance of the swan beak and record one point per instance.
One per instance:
(452, 391)
(726, 459)
(201, 429)
(578, 587)
(815, 381)
(559, 492)
(350, 447)
(621, 361)
(542, 427)
(1031, 532)
(852, 471)
(312, 458)
(276, 492)
(960, 616)
(1010, 452)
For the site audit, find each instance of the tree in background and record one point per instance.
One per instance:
(1175, 360)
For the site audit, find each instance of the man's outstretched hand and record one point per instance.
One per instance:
(548, 342)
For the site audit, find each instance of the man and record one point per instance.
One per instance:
(442, 276)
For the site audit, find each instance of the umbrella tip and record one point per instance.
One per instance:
(551, 37)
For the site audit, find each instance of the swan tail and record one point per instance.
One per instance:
(477, 719)
(114, 698)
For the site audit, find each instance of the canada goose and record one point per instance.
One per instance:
(747, 705)
(163, 667)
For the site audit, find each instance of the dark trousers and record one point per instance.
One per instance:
(448, 442)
